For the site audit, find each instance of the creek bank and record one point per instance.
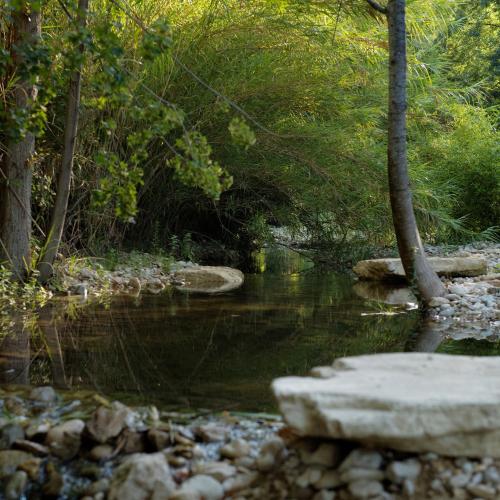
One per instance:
(153, 278)
(471, 306)
(59, 447)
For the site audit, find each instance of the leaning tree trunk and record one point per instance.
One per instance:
(54, 235)
(16, 171)
(416, 266)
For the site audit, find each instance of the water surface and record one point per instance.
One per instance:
(217, 352)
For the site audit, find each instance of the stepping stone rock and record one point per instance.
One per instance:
(392, 269)
(208, 279)
(414, 402)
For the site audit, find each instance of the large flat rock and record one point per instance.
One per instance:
(414, 402)
(390, 269)
(209, 279)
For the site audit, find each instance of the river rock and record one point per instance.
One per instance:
(9, 434)
(212, 432)
(406, 401)
(218, 470)
(199, 488)
(10, 460)
(397, 472)
(142, 476)
(365, 489)
(16, 485)
(44, 394)
(54, 481)
(107, 423)
(387, 269)
(64, 439)
(208, 279)
(236, 449)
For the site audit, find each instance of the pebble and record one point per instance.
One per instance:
(366, 459)
(357, 474)
(324, 495)
(491, 475)
(9, 434)
(235, 449)
(329, 479)
(101, 452)
(16, 485)
(64, 439)
(459, 480)
(218, 470)
(310, 476)
(365, 489)
(199, 487)
(44, 394)
(397, 472)
(240, 482)
(482, 491)
(212, 432)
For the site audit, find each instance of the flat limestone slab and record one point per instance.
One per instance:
(390, 269)
(209, 279)
(414, 402)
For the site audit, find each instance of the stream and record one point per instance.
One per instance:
(216, 352)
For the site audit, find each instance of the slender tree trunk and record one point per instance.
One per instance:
(16, 171)
(416, 266)
(60, 209)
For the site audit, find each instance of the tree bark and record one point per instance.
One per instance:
(54, 235)
(418, 270)
(16, 172)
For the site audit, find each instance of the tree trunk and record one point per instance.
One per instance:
(16, 173)
(54, 235)
(416, 266)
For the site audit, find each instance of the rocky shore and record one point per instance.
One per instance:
(471, 308)
(54, 446)
(147, 277)
(471, 276)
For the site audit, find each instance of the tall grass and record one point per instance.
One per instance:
(315, 83)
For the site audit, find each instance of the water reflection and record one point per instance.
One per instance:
(217, 352)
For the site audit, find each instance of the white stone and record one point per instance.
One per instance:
(202, 487)
(482, 491)
(365, 489)
(397, 472)
(142, 476)
(386, 269)
(208, 279)
(358, 474)
(438, 301)
(406, 401)
(324, 495)
(365, 459)
(236, 449)
(218, 470)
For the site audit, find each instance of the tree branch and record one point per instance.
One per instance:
(377, 6)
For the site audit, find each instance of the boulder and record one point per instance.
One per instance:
(392, 269)
(208, 279)
(414, 402)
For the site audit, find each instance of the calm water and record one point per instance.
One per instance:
(217, 352)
